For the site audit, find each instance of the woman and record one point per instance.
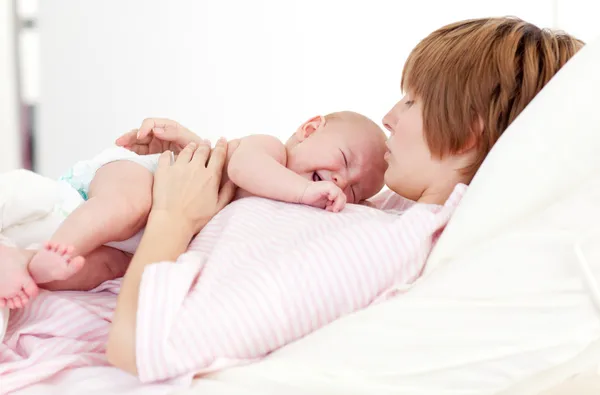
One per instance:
(464, 83)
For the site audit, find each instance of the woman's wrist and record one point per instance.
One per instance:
(167, 223)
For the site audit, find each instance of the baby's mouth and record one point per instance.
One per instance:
(316, 177)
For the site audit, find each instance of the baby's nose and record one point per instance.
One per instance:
(340, 181)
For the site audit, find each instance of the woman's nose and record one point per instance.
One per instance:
(387, 123)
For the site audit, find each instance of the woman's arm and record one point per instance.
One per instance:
(186, 196)
(164, 240)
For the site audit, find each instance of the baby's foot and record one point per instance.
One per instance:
(16, 285)
(54, 262)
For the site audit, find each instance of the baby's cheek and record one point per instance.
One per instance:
(349, 197)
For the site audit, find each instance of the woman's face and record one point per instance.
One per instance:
(411, 166)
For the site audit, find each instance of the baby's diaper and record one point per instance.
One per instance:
(81, 174)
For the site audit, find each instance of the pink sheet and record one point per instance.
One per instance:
(61, 331)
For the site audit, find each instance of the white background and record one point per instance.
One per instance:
(235, 67)
(9, 112)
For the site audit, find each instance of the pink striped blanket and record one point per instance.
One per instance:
(260, 275)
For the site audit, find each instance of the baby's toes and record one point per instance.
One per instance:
(17, 301)
(61, 249)
(69, 250)
(50, 246)
(23, 297)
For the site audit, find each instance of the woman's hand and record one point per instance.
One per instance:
(157, 135)
(188, 190)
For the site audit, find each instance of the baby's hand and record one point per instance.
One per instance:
(324, 194)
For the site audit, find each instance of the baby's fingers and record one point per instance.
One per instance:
(329, 206)
(339, 201)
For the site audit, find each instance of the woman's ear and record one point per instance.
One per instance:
(476, 132)
(309, 127)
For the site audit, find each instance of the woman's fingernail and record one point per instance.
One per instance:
(222, 139)
(158, 130)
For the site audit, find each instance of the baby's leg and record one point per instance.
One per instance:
(120, 198)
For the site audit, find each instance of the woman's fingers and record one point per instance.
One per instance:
(181, 136)
(186, 154)
(145, 128)
(218, 157)
(128, 138)
(225, 195)
(156, 135)
(164, 160)
(150, 124)
(202, 153)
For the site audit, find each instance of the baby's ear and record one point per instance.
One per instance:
(309, 127)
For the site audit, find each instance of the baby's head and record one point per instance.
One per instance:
(343, 147)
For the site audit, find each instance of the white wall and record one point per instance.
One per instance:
(579, 17)
(10, 157)
(226, 67)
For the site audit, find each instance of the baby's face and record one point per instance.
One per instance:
(348, 151)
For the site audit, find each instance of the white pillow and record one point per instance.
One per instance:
(504, 296)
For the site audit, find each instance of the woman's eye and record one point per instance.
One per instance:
(409, 102)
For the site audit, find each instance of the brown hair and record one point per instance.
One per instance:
(487, 69)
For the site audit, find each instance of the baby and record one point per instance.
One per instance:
(328, 161)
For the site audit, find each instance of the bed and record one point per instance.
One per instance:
(509, 300)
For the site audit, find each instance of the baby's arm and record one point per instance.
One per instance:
(258, 165)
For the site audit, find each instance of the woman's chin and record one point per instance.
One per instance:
(390, 171)
(388, 178)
